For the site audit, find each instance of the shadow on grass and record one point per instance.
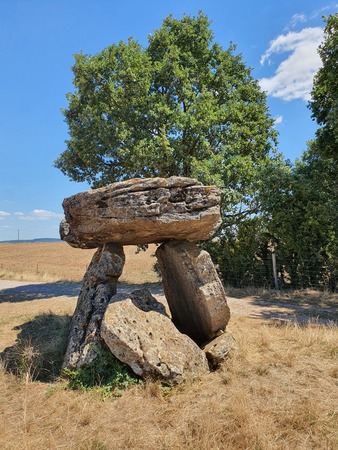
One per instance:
(301, 314)
(39, 348)
(39, 291)
(301, 306)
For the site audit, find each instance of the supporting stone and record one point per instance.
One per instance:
(99, 285)
(193, 290)
(138, 333)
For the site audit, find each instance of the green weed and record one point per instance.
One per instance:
(105, 374)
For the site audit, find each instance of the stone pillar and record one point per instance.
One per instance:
(193, 290)
(98, 287)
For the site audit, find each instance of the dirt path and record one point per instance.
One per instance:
(28, 295)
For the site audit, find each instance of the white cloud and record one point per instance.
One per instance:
(4, 214)
(41, 214)
(278, 119)
(19, 214)
(294, 76)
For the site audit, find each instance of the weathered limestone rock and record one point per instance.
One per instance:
(193, 290)
(99, 285)
(141, 211)
(138, 333)
(218, 350)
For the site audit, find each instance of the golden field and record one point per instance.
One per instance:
(278, 390)
(58, 261)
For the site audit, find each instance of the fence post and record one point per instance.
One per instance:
(274, 268)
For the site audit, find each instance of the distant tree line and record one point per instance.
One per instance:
(185, 106)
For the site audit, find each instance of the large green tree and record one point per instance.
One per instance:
(300, 213)
(324, 96)
(300, 202)
(180, 106)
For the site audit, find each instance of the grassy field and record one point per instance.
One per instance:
(277, 391)
(58, 261)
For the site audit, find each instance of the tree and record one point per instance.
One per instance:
(324, 103)
(180, 106)
(299, 203)
(301, 216)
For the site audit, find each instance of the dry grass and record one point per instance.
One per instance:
(57, 261)
(278, 391)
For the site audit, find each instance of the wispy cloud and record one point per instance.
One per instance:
(298, 18)
(301, 17)
(278, 119)
(330, 8)
(40, 214)
(4, 214)
(294, 76)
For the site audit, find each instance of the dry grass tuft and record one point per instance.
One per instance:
(39, 348)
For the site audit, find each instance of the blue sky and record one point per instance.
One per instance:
(38, 39)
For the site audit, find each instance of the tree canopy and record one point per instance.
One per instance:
(180, 106)
(184, 106)
(299, 203)
(298, 215)
(324, 102)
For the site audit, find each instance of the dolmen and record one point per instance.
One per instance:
(172, 212)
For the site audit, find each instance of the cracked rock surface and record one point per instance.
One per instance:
(99, 285)
(194, 292)
(141, 211)
(138, 333)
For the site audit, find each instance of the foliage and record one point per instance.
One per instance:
(242, 254)
(324, 103)
(309, 231)
(303, 220)
(104, 372)
(298, 204)
(181, 106)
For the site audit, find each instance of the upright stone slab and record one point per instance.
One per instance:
(138, 332)
(193, 290)
(141, 211)
(99, 285)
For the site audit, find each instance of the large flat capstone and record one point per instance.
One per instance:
(141, 211)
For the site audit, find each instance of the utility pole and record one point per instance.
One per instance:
(18, 236)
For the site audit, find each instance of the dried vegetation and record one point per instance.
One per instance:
(57, 261)
(277, 391)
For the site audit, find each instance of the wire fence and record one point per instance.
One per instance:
(238, 274)
(286, 274)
